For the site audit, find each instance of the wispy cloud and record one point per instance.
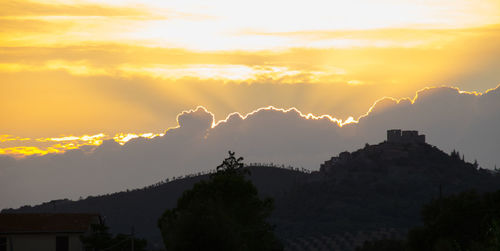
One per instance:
(380, 37)
(19, 8)
(367, 64)
(5, 138)
(19, 147)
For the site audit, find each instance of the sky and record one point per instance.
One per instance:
(76, 73)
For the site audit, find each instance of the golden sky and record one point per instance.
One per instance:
(108, 68)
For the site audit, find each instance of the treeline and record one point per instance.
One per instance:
(180, 177)
(202, 173)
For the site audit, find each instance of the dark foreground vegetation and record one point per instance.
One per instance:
(467, 221)
(101, 239)
(371, 194)
(221, 213)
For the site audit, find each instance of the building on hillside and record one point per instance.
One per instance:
(399, 136)
(45, 232)
(391, 151)
(342, 158)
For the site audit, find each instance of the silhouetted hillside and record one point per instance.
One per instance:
(141, 208)
(379, 186)
(375, 188)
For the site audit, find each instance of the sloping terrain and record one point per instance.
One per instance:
(375, 188)
(378, 186)
(141, 208)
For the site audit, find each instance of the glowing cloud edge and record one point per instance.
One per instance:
(76, 142)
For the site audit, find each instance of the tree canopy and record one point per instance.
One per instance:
(221, 213)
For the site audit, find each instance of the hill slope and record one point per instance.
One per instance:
(378, 187)
(141, 208)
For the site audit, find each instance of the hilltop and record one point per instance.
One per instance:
(377, 188)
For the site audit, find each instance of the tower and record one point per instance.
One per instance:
(394, 135)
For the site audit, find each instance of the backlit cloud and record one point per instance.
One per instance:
(451, 119)
(140, 89)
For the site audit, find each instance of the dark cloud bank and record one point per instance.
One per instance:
(450, 119)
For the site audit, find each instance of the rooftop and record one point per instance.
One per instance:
(47, 223)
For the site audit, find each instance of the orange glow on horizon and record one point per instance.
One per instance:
(24, 151)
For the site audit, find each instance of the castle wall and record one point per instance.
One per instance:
(421, 138)
(408, 136)
(394, 135)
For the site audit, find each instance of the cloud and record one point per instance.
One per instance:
(403, 37)
(10, 27)
(444, 62)
(451, 119)
(198, 120)
(18, 8)
(141, 89)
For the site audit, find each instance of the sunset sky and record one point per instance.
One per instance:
(77, 72)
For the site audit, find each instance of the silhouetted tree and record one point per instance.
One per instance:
(222, 213)
(101, 239)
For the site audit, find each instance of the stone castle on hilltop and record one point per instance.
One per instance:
(393, 148)
(399, 136)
